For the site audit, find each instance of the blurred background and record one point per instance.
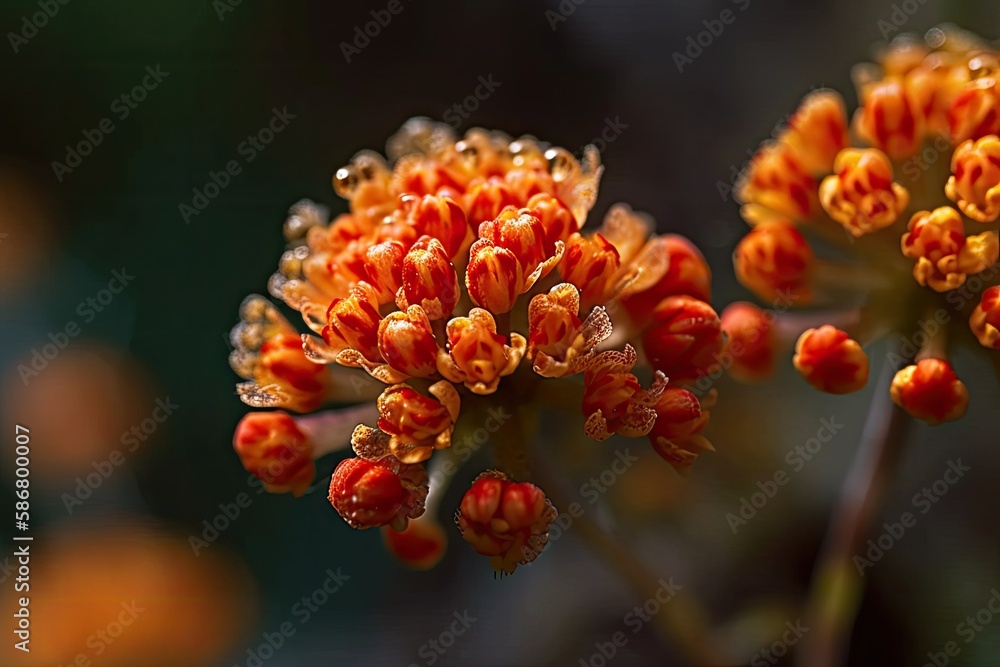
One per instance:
(116, 302)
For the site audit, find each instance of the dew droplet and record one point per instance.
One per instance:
(562, 165)
(345, 182)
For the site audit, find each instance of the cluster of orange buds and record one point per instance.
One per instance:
(924, 102)
(457, 260)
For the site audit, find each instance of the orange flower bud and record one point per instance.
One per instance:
(353, 321)
(419, 546)
(507, 521)
(774, 260)
(685, 339)
(275, 450)
(975, 183)
(676, 434)
(378, 493)
(831, 361)
(416, 424)
(591, 264)
(383, 267)
(559, 342)
(508, 259)
(557, 220)
(778, 181)
(429, 279)
(861, 195)
(817, 131)
(930, 391)
(478, 356)
(268, 352)
(438, 217)
(613, 399)
(933, 87)
(936, 239)
(406, 342)
(526, 183)
(975, 111)
(985, 320)
(752, 341)
(687, 273)
(890, 120)
(485, 201)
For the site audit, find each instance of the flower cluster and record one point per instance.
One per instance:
(458, 283)
(925, 103)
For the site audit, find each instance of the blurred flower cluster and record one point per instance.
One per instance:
(460, 294)
(915, 259)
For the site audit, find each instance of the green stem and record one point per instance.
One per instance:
(837, 587)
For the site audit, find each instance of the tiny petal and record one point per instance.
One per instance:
(817, 131)
(477, 355)
(276, 451)
(507, 521)
(353, 321)
(944, 256)
(831, 361)
(676, 436)
(752, 343)
(930, 391)
(429, 279)
(417, 424)
(613, 399)
(778, 181)
(406, 342)
(378, 493)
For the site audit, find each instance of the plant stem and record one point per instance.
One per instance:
(837, 587)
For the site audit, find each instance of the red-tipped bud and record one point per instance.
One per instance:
(774, 261)
(353, 321)
(944, 256)
(507, 521)
(274, 450)
(417, 424)
(438, 217)
(975, 111)
(613, 399)
(429, 279)
(890, 120)
(831, 361)
(687, 273)
(861, 196)
(680, 420)
(778, 182)
(557, 220)
(817, 131)
(407, 343)
(285, 371)
(478, 355)
(752, 343)
(592, 264)
(384, 268)
(930, 391)
(420, 546)
(975, 183)
(378, 493)
(485, 201)
(985, 320)
(685, 339)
